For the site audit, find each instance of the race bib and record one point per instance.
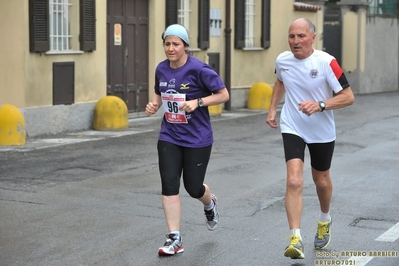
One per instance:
(171, 104)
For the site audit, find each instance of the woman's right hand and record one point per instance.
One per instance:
(151, 108)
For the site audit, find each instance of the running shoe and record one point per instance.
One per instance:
(212, 216)
(172, 246)
(295, 248)
(323, 235)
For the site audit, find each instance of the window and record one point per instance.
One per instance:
(386, 8)
(183, 12)
(249, 23)
(59, 25)
(215, 19)
(52, 25)
(195, 20)
(252, 24)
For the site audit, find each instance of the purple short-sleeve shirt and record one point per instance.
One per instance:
(196, 80)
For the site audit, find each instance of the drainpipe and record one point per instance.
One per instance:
(227, 33)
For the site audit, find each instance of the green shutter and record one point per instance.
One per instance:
(239, 24)
(203, 24)
(265, 38)
(87, 35)
(171, 12)
(39, 36)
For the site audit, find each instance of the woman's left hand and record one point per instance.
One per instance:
(189, 106)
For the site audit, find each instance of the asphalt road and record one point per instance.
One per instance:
(93, 198)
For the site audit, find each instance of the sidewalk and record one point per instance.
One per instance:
(138, 124)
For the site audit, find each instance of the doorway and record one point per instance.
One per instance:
(332, 30)
(127, 52)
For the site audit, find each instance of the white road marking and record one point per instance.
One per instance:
(108, 133)
(71, 138)
(360, 261)
(391, 235)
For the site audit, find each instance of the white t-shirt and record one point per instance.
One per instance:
(312, 78)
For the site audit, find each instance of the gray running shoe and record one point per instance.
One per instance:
(295, 249)
(172, 246)
(212, 216)
(323, 235)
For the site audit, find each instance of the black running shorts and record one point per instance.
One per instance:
(320, 153)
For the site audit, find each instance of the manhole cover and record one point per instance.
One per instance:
(372, 223)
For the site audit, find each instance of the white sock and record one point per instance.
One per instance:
(210, 207)
(297, 232)
(176, 233)
(324, 217)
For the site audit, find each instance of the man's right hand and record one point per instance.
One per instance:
(271, 119)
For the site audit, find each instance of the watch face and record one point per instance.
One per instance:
(322, 105)
(200, 102)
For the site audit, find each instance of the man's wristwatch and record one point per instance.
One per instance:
(322, 106)
(200, 102)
